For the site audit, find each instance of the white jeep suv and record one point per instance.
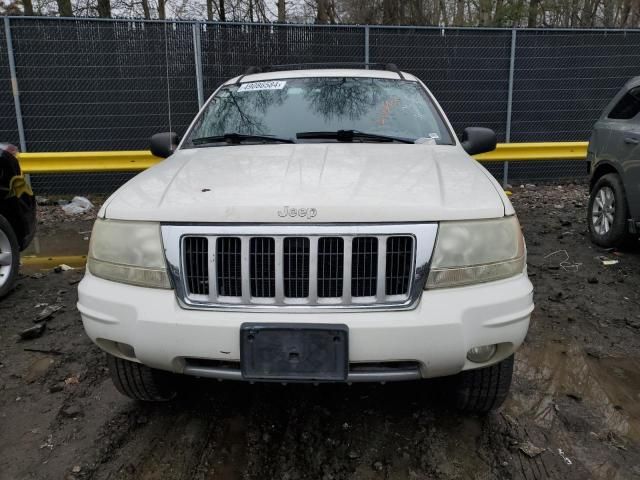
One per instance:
(312, 226)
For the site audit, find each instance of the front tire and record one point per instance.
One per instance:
(9, 257)
(483, 389)
(140, 382)
(607, 214)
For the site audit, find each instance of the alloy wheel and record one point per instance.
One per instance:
(603, 211)
(6, 258)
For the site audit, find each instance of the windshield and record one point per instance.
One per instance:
(285, 108)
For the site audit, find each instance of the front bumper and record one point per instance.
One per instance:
(436, 335)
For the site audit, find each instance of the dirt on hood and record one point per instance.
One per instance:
(574, 410)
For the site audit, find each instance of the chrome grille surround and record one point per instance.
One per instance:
(423, 237)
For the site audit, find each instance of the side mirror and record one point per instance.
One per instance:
(164, 144)
(478, 140)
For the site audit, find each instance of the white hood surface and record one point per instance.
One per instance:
(342, 182)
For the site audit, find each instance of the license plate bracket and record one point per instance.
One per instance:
(294, 352)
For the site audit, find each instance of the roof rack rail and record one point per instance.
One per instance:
(249, 71)
(392, 67)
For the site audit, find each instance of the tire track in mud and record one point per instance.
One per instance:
(231, 431)
(194, 437)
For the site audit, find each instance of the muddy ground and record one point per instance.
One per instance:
(574, 411)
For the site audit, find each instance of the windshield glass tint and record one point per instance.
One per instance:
(282, 108)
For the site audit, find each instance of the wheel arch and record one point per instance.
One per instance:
(11, 213)
(603, 168)
(10, 216)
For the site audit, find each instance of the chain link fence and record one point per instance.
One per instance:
(96, 84)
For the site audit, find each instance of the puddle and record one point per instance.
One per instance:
(609, 387)
(62, 243)
(48, 251)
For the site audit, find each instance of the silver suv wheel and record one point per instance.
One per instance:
(9, 257)
(6, 258)
(603, 210)
(607, 213)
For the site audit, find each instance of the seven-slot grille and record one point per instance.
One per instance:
(298, 270)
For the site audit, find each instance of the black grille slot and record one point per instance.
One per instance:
(228, 256)
(262, 255)
(364, 267)
(296, 267)
(196, 265)
(399, 257)
(330, 266)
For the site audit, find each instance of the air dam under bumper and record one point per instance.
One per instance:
(436, 334)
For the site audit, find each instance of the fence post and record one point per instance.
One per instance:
(366, 46)
(14, 85)
(512, 63)
(197, 52)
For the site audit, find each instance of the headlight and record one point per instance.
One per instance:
(477, 251)
(128, 252)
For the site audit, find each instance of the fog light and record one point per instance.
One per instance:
(481, 354)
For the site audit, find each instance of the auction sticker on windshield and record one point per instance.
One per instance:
(256, 86)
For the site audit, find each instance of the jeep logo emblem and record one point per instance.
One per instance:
(307, 213)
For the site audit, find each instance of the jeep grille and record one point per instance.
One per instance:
(363, 268)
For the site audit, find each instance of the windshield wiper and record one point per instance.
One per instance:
(237, 138)
(351, 135)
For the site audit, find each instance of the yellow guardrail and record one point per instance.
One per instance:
(514, 152)
(137, 160)
(70, 162)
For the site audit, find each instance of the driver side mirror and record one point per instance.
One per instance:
(164, 144)
(478, 140)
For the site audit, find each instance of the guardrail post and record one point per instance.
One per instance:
(14, 84)
(197, 52)
(366, 47)
(512, 63)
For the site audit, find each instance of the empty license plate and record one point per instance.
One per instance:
(294, 352)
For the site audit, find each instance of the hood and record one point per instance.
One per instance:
(319, 183)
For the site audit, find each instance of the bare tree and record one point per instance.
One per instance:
(459, 15)
(104, 8)
(64, 8)
(390, 12)
(222, 15)
(282, 11)
(11, 8)
(489, 13)
(533, 13)
(607, 19)
(326, 11)
(635, 15)
(146, 11)
(27, 5)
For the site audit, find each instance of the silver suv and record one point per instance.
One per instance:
(614, 160)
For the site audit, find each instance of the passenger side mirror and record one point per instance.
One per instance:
(478, 140)
(164, 144)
